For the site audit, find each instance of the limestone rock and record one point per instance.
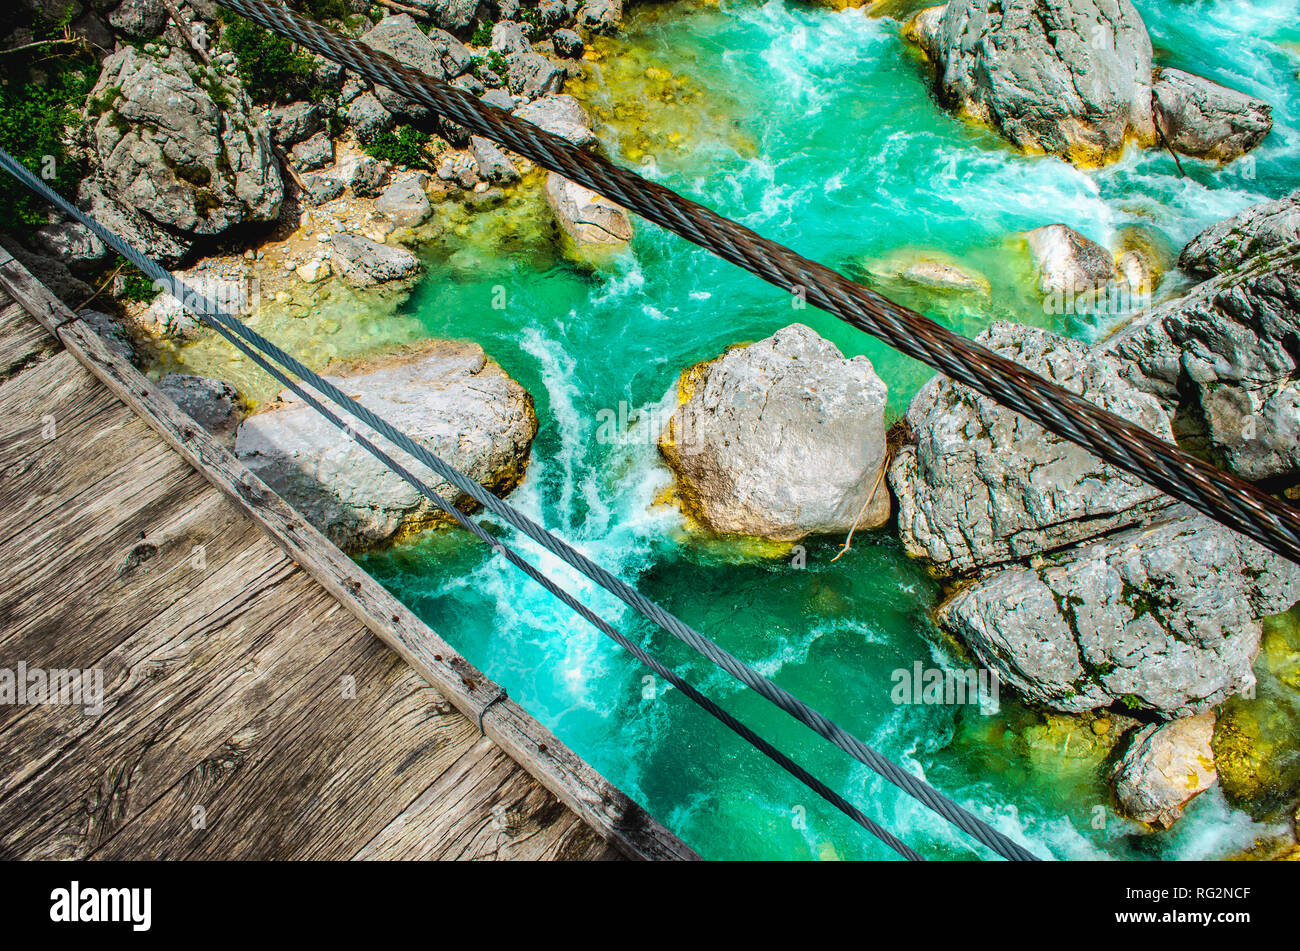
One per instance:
(404, 202)
(1164, 617)
(453, 15)
(448, 396)
(166, 151)
(1070, 77)
(364, 263)
(1257, 230)
(1230, 344)
(1069, 263)
(72, 243)
(141, 19)
(591, 225)
(940, 275)
(321, 187)
(1201, 118)
(493, 164)
(982, 485)
(368, 116)
(562, 115)
(213, 404)
(532, 75)
(780, 439)
(163, 245)
(510, 37)
(1164, 768)
(315, 152)
(292, 123)
(437, 54)
(601, 16)
(925, 29)
(568, 44)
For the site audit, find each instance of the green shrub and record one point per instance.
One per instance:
(269, 67)
(482, 35)
(322, 10)
(407, 146)
(530, 18)
(35, 112)
(135, 286)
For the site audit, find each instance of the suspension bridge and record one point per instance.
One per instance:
(587, 817)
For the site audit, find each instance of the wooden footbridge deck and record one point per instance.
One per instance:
(249, 709)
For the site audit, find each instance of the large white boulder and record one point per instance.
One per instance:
(167, 151)
(780, 439)
(1164, 768)
(448, 396)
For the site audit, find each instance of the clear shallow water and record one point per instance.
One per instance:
(817, 129)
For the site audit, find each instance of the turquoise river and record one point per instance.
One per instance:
(816, 128)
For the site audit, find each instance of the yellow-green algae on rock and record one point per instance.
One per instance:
(1257, 741)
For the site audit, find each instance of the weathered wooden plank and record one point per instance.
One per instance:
(303, 776)
(179, 688)
(105, 592)
(22, 342)
(393, 710)
(527, 823)
(597, 801)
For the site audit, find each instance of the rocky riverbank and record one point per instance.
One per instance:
(291, 193)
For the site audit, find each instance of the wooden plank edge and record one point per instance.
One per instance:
(602, 805)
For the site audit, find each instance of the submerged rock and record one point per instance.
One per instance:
(983, 485)
(780, 439)
(448, 396)
(1201, 118)
(1163, 617)
(166, 151)
(1070, 77)
(363, 263)
(1257, 230)
(591, 226)
(1164, 768)
(1069, 263)
(942, 276)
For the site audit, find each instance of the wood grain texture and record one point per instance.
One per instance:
(248, 710)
